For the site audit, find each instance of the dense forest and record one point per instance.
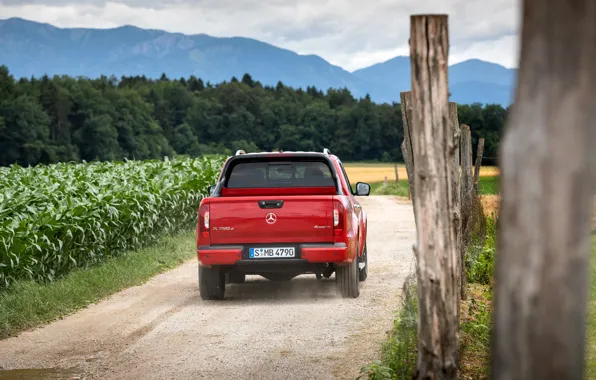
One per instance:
(48, 120)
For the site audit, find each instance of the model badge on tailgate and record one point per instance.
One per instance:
(322, 227)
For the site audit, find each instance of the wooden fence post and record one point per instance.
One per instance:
(473, 221)
(396, 175)
(547, 157)
(466, 162)
(436, 252)
(467, 200)
(456, 195)
(479, 154)
(467, 181)
(406, 146)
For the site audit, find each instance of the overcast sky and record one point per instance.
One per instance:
(348, 33)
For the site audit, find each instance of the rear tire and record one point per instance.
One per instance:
(212, 283)
(363, 273)
(347, 280)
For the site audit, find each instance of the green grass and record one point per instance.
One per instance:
(591, 323)
(480, 259)
(487, 186)
(29, 304)
(392, 188)
(399, 352)
(475, 327)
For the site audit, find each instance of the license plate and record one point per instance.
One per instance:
(271, 253)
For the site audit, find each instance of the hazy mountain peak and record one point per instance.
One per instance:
(29, 49)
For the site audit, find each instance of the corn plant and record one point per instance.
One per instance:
(59, 217)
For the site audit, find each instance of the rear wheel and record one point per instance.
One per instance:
(363, 273)
(347, 280)
(212, 284)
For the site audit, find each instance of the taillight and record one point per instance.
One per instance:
(338, 218)
(204, 220)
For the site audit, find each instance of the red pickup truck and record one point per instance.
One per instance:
(280, 215)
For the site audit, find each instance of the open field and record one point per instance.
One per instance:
(376, 172)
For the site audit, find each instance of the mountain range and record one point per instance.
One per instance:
(30, 48)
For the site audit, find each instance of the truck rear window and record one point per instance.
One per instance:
(278, 174)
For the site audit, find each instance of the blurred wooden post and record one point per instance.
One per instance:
(396, 175)
(479, 154)
(456, 196)
(406, 146)
(386, 181)
(467, 181)
(436, 251)
(473, 222)
(547, 160)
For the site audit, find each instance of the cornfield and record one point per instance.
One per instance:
(59, 217)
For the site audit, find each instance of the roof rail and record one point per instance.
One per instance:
(326, 151)
(239, 152)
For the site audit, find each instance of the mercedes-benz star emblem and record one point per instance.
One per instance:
(271, 218)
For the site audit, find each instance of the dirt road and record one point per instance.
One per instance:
(263, 330)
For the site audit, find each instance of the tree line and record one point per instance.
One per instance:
(47, 120)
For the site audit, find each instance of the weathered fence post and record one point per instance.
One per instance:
(473, 223)
(467, 180)
(547, 158)
(456, 189)
(436, 251)
(479, 153)
(396, 175)
(467, 186)
(406, 146)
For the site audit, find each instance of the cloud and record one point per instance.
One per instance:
(348, 33)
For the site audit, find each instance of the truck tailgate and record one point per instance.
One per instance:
(271, 219)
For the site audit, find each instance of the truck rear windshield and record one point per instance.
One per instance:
(280, 174)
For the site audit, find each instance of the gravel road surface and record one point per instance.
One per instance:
(263, 330)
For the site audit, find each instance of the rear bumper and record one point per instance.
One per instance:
(305, 254)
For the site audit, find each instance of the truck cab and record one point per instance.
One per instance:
(280, 215)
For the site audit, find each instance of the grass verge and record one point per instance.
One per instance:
(400, 189)
(591, 322)
(28, 304)
(474, 335)
(488, 185)
(399, 352)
